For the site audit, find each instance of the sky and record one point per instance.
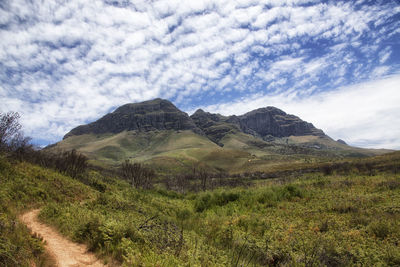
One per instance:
(335, 64)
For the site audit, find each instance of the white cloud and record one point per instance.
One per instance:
(380, 71)
(365, 114)
(384, 55)
(68, 63)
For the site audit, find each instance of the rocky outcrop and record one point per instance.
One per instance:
(157, 114)
(271, 121)
(264, 123)
(160, 114)
(214, 126)
(341, 142)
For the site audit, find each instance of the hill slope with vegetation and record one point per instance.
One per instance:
(343, 217)
(334, 213)
(158, 133)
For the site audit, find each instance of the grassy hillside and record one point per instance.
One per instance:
(179, 151)
(24, 186)
(140, 146)
(167, 151)
(347, 216)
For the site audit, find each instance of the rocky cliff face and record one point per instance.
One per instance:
(157, 114)
(272, 121)
(215, 126)
(263, 123)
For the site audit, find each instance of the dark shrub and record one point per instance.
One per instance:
(380, 229)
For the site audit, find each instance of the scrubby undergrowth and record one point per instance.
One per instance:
(24, 186)
(312, 220)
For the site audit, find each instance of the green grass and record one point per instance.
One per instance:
(183, 149)
(334, 220)
(114, 149)
(310, 220)
(24, 186)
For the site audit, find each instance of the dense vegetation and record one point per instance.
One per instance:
(314, 219)
(24, 186)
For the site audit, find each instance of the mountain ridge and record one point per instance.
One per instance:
(161, 114)
(156, 132)
(156, 114)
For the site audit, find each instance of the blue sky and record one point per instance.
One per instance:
(333, 63)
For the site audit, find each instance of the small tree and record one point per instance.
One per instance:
(203, 176)
(9, 129)
(138, 175)
(71, 163)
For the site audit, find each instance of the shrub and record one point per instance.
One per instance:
(289, 192)
(379, 229)
(183, 214)
(206, 201)
(392, 256)
(327, 169)
(202, 203)
(345, 206)
(268, 198)
(358, 220)
(90, 232)
(391, 184)
(138, 175)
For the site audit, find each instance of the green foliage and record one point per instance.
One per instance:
(17, 246)
(271, 196)
(311, 220)
(380, 229)
(208, 200)
(22, 186)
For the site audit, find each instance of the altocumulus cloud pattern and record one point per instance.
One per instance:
(334, 63)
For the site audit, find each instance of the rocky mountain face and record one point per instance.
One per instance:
(271, 121)
(264, 123)
(214, 126)
(159, 114)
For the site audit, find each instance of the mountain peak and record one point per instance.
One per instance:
(157, 104)
(273, 121)
(161, 114)
(268, 109)
(156, 114)
(198, 111)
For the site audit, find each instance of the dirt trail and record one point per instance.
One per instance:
(65, 252)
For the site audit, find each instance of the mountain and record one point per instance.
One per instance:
(157, 114)
(271, 121)
(263, 123)
(215, 126)
(158, 133)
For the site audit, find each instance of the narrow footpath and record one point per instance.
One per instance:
(65, 252)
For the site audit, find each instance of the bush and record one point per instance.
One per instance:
(379, 229)
(287, 192)
(269, 198)
(138, 175)
(344, 207)
(391, 184)
(206, 201)
(202, 203)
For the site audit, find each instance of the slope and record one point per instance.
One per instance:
(65, 252)
(340, 219)
(158, 133)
